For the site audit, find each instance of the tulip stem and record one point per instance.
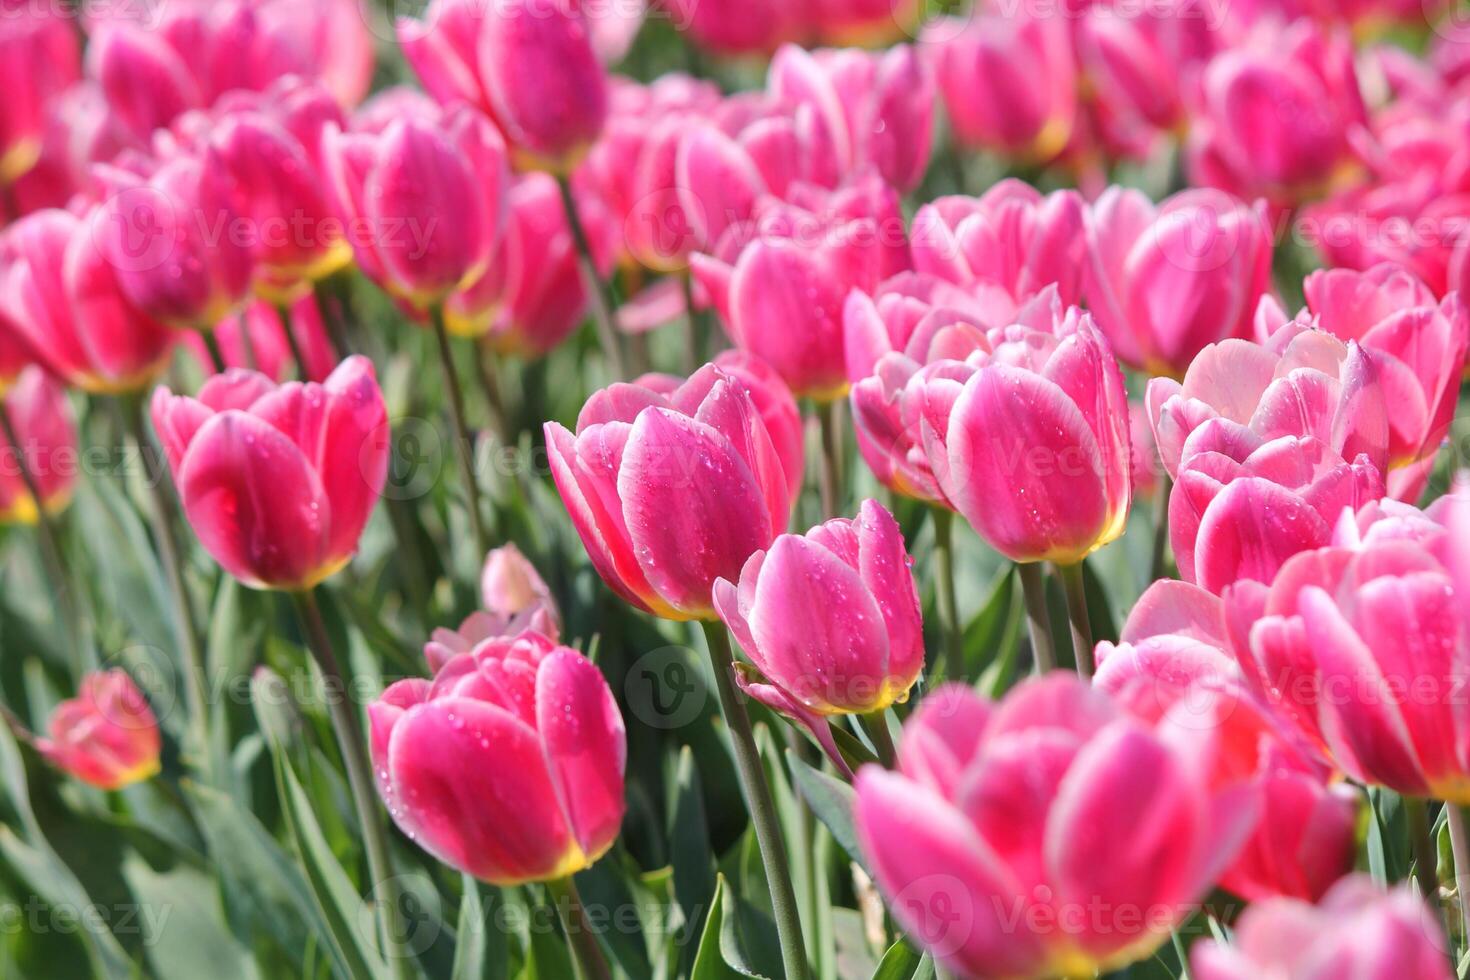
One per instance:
(284, 313)
(247, 346)
(216, 356)
(465, 450)
(48, 542)
(949, 613)
(1426, 860)
(877, 725)
(828, 415)
(581, 940)
(597, 295)
(762, 809)
(1158, 567)
(1076, 592)
(185, 626)
(1460, 848)
(1038, 618)
(693, 356)
(350, 740)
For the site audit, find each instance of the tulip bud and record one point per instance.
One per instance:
(278, 482)
(1356, 929)
(509, 766)
(46, 429)
(1048, 835)
(510, 585)
(671, 493)
(106, 736)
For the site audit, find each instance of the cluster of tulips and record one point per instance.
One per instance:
(199, 204)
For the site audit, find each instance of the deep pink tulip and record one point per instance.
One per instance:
(1362, 644)
(39, 60)
(1028, 440)
(172, 241)
(1174, 636)
(1280, 117)
(47, 430)
(1013, 236)
(736, 27)
(106, 736)
(1148, 466)
(278, 482)
(65, 300)
(509, 765)
(876, 110)
(1008, 79)
(268, 342)
(671, 493)
(444, 644)
(1144, 64)
(80, 132)
(831, 618)
(1418, 346)
(1049, 835)
(510, 585)
(1357, 929)
(1164, 281)
(425, 200)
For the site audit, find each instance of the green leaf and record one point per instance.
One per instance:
(712, 961)
(691, 854)
(899, 963)
(480, 951)
(831, 800)
(181, 921)
(984, 636)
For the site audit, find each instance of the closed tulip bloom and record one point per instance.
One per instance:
(1029, 441)
(39, 60)
(671, 493)
(831, 618)
(1144, 67)
(509, 765)
(64, 299)
(737, 27)
(1013, 236)
(1357, 929)
(44, 424)
(428, 196)
(1008, 80)
(1418, 345)
(510, 584)
(278, 482)
(1166, 280)
(1051, 834)
(106, 736)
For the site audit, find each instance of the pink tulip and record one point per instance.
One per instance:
(1164, 281)
(1028, 440)
(1008, 79)
(874, 110)
(65, 300)
(1418, 346)
(1361, 644)
(735, 27)
(327, 41)
(273, 356)
(1356, 930)
(1144, 64)
(278, 482)
(426, 198)
(1147, 466)
(1174, 636)
(510, 585)
(444, 644)
(1013, 236)
(509, 765)
(107, 735)
(1048, 835)
(831, 618)
(671, 493)
(47, 432)
(39, 59)
(1280, 117)
(863, 23)
(80, 132)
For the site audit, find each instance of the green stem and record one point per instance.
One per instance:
(692, 347)
(949, 614)
(247, 345)
(597, 289)
(581, 940)
(216, 356)
(1158, 567)
(1076, 592)
(284, 313)
(465, 450)
(332, 318)
(185, 625)
(829, 415)
(49, 544)
(490, 386)
(877, 725)
(351, 741)
(1426, 859)
(762, 808)
(1460, 848)
(1038, 618)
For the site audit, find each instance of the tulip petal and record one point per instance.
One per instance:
(586, 748)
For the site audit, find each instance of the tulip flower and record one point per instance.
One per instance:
(1165, 281)
(1051, 834)
(80, 132)
(735, 27)
(1008, 80)
(1280, 116)
(268, 343)
(830, 618)
(444, 644)
(510, 585)
(1013, 236)
(43, 423)
(1144, 65)
(278, 482)
(106, 736)
(671, 493)
(863, 23)
(1356, 929)
(65, 300)
(1418, 346)
(39, 59)
(1029, 440)
(509, 765)
(430, 195)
